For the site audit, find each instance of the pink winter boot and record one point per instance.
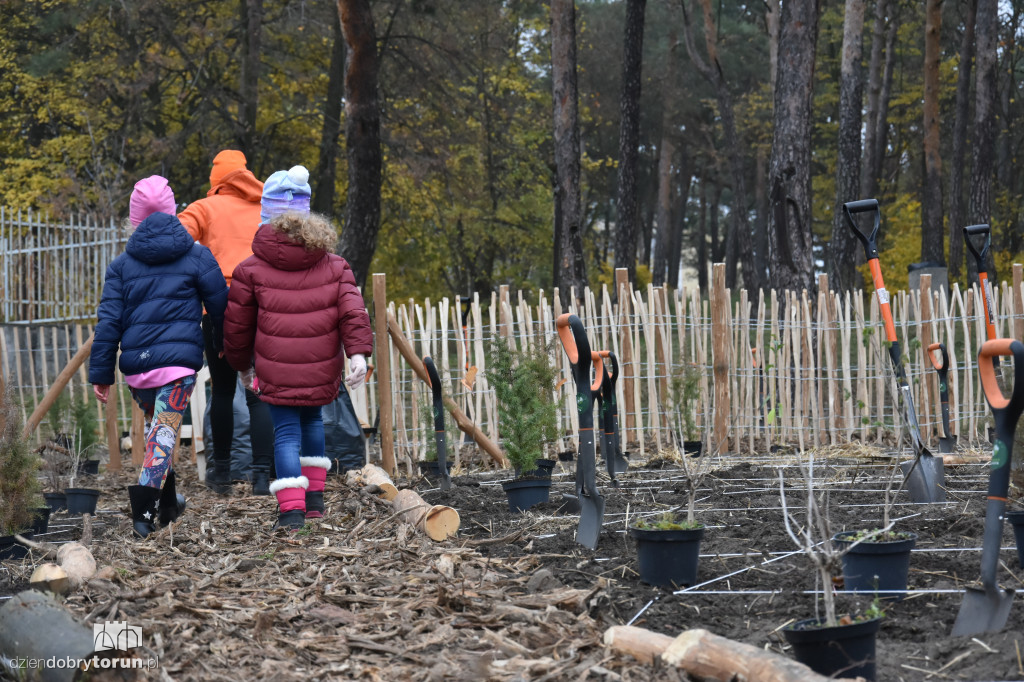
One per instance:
(315, 469)
(291, 501)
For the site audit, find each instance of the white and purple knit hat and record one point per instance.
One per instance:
(285, 191)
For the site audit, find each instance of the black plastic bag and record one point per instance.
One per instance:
(343, 434)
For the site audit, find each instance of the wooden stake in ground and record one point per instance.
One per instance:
(58, 386)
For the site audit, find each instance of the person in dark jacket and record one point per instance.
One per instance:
(152, 307)
(226, 221)
(293, 314)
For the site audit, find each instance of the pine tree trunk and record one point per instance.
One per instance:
(666, 185)
(789, 176)
(868, 177)
(979, 208)
(327, 166)
(571, 268)
(627, 228)
(932, 231)
(843, 246)
(679, 219)
(702, 234)
(252, 21)
(358, 240)
(958, 154)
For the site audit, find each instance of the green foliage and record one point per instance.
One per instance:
(524, 385)
(19, 484)
(683, 393)
(76, 420)
(667, 521)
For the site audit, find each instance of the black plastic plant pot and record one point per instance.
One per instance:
(1016, 519)
(693, 448)
(56, 501)
(40, 520)
(523, 494)
(668, 558)
(543, 470)
(81, 500)
(89, 467)
(876, 566)
(566, 456)
(841, 650)
(11, 549)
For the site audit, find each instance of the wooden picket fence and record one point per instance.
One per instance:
(820, 374)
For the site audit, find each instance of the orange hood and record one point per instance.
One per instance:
(239, 183)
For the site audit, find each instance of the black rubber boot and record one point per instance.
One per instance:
(314, 505)
(219, 478)
(291, 520)
(144, 501)
(260, 482)
(171, 503)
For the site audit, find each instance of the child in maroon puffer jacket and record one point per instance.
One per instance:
(293, 314)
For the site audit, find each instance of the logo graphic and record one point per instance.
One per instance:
(116, 635)
(998, 455)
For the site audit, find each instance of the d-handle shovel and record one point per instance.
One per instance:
(925, 476)
(971, 234)
(947, 441)
(434, 381)
(613, 457)
(986, 608)
(577, 348)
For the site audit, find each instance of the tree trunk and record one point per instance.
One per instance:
(789, 177)
(956, 165)
(679, 219)
(571, 271)
(868, 177)
(843, 247)
(358, 241)
(327, 166)
(717, 243)
(772, 11)
(980, 209)
(931, 197)
(882, 122)
(629, 138)
(248, 104)
(740, 236)
(759, 280)
(666, 184)
(702, 235)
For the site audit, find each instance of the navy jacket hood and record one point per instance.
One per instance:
(160, 238)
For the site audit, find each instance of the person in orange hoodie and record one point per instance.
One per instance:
(225, 222)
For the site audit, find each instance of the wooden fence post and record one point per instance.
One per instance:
(722, 354)
(383, 372)
(624, 293)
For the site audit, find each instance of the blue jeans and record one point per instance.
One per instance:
(298, 431)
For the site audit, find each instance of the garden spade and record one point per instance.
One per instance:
(925, 476)
(971, 232)
(986, 608)
(577, 348)
(609, 411)
(434, 381)
(947, 441)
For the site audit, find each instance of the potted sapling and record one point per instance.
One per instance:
(55, 463)
(829, 643)
(668, 546)
(79, 500)
(19, 482)
(877, 559)
(524, 383)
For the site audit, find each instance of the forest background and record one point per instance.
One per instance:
(95, 95)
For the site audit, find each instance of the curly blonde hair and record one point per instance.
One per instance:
(312, 230)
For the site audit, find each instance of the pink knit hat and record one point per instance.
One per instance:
(151, 195)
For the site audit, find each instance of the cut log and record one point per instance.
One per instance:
(708, 657)
(75, 558)
(50, 578)
(437, 521)
(371, 474)
(640, 643)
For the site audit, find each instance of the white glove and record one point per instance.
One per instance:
(357, 363)
(249, 379)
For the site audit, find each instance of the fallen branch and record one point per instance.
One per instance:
(708, 657)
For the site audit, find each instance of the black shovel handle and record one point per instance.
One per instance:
(434, 382)
(869, 241)
(577, 348)
(941, 366)
(972, 231)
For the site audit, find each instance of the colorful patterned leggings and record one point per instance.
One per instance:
(164, 407)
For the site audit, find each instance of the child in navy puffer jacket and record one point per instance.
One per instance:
(152, 307)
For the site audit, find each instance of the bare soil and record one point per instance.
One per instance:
(362, 596)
